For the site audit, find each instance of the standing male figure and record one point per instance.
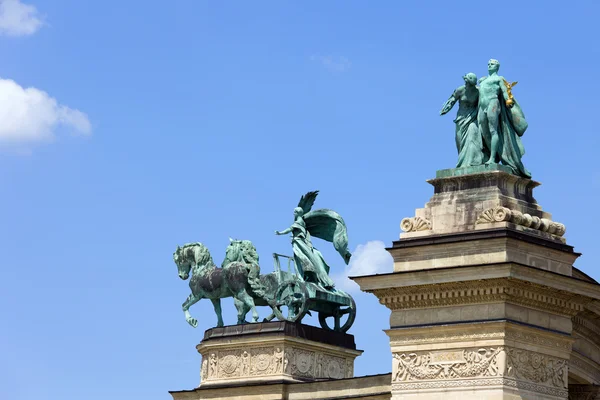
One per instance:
(501, 121)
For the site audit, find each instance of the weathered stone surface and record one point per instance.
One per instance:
(494, 245)
(485, 302)
(452, 172)
(465, 201)
(375, 387)
(275, 351)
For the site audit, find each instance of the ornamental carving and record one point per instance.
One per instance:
(537, 368)
(448, 364)
(480, 367)
(463, 383)
(274, 361)
(415, 224)
(504, 214)
(262, 362)
(487, 291)
(228, 365)
(204, 369)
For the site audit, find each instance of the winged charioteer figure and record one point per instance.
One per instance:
(324, 224)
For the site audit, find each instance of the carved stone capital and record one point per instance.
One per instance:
(504, 214)
(415, 224)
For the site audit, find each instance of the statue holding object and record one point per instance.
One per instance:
(499, 123)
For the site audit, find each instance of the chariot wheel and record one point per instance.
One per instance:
(336, 317)
(291, 301)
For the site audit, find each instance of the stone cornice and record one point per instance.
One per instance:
(482, 291)
(473, 275)
(479, 235)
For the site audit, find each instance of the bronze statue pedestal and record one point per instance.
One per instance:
(485, 301)
(274, 352)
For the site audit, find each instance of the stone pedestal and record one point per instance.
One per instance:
(275, 352)
(483, 294)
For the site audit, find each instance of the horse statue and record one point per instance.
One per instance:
(239, 277)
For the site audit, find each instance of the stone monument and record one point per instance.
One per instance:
(485, 302)
(273, 352)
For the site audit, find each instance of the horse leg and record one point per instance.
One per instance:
(269, 318)
(249, 302)
(241, 313)
(190, 301)
(217, 306)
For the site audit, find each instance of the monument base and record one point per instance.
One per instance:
(485, 302)
(275, 352)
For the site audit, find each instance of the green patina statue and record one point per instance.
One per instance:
(239, 277)
(468, 139)
(290, 294)
(324, 224)
(489, 123)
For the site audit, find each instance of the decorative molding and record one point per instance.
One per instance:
(488, 366)
(477, 292)
(471, 383)
(504, 214)
(228, 364)
(537, 368)
(539, 340)
(415, 224)
(448, 364)
(586, 328)
(434, 336)
(585, 365)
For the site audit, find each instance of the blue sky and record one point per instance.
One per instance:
(150, 124)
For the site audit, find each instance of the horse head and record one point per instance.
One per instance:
(240, 251)
(189, 255)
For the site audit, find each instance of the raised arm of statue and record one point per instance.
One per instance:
(450, 103)
(284, 232)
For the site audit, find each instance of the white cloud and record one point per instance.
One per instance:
(30, 115)
(368, 259)
(18, 19)
(332, 63)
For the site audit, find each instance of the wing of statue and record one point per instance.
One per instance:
(306, 202)
(330, 226)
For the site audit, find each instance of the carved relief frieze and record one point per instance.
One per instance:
(504, 214)
(274, 360)
(448, 364)
(537, 368)
(229, 363)
(480, 367)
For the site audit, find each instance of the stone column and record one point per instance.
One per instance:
(482, 295)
